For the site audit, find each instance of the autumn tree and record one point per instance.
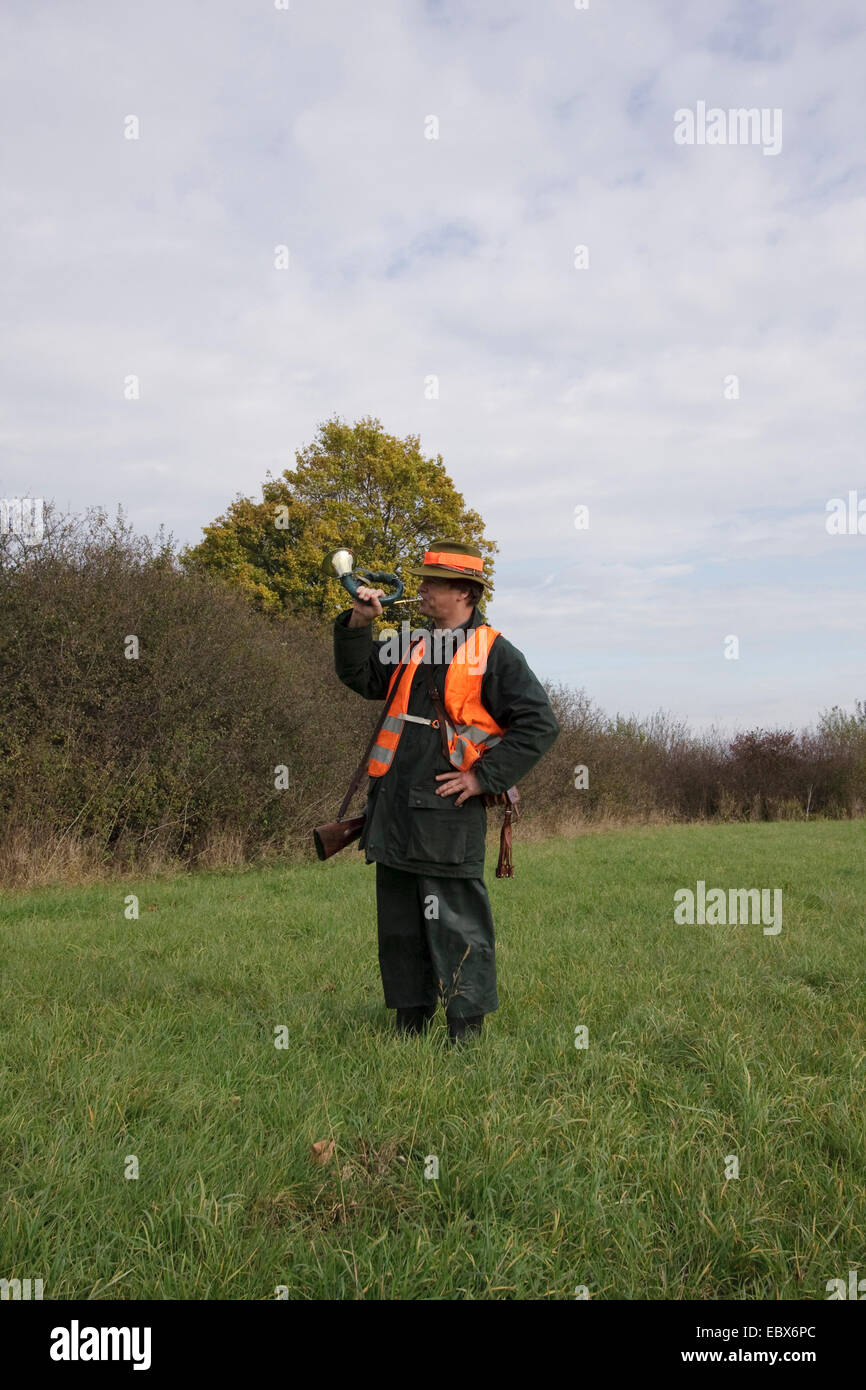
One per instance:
(354, 486)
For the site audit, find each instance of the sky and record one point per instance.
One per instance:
(694, 377)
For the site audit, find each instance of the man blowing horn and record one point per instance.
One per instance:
(426, 823)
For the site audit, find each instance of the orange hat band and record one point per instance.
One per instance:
(458, 562)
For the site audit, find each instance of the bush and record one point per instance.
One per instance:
(161, 754)
(171, 755)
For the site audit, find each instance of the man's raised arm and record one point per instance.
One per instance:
(356, 656)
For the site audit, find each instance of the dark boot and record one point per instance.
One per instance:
(461, 1029)
(415, 1019)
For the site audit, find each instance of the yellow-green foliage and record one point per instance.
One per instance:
(355, 486)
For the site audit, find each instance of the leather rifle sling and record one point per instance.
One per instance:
(439, 707)
(353, 785)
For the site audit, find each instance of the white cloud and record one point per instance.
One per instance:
(454, 256)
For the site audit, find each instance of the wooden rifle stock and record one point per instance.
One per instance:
(336, 835)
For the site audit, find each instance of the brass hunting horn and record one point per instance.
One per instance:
(342, 564)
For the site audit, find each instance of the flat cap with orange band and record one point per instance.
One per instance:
(451, 560)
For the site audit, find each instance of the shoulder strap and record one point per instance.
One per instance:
(439, 706)
(353, 785)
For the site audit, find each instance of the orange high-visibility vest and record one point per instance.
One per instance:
(470, 729)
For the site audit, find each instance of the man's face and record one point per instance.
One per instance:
(438, 600)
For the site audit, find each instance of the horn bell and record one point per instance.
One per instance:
(338, 562)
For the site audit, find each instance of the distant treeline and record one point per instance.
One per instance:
(173, 755)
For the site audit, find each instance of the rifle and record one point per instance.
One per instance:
(337, 834)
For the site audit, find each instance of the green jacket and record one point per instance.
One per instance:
(408, 825)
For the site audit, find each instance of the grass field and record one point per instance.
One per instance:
(559, 1166)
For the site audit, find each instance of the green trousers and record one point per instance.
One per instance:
(436, 942)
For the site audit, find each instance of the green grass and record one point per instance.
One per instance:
(558, 1166)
